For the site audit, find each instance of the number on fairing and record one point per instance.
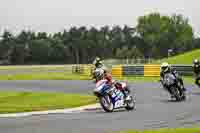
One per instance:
(119, 103)
(114, 92)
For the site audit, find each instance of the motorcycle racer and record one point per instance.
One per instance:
(196, 70)
(165, 69)
(100, 72)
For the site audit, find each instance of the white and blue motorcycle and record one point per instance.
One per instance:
(111, 98)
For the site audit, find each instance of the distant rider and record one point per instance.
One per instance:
(196, 70)
(165, 69)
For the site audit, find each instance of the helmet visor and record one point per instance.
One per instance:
(164, 68)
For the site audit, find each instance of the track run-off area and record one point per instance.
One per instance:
(153, 110)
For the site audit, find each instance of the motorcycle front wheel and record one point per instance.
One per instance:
(130, 104)
(106, 103)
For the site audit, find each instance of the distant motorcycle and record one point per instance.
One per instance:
(170, 83)
(111, 98)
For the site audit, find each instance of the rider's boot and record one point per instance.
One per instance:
(126, 92)
(181, 84)
(182, 87)
(183, 93)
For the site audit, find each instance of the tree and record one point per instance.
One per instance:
(40, 51)
(164, 32)
(196, 43)
(6, 45)
(183, 33)
(57, 50)
(152, 37)
(21, 48)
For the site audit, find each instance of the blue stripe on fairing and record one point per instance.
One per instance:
(114, 99)
(104, 89)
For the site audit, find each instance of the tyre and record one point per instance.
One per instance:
(130, 104)
(183, 97)
(106, 103)
(176, 94)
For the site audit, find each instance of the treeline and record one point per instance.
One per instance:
(153, 36)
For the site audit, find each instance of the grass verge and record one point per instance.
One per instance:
(185, 58)
(153, 79)
(36, 67)
(167, 130)
(13, 101)
(44, 76)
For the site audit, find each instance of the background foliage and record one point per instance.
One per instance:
(151, 38)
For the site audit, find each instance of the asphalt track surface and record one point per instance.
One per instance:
(154, 110)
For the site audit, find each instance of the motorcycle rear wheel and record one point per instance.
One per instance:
(177, 94)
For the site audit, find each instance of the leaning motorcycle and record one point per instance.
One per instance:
(169, 81)
(111, 98)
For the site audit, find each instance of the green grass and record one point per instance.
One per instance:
(11, 102)
(69, 76)
(44, 76)
(167, 130)
(152, 79)
(139, 78)
(37, 67)
(186, 58)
